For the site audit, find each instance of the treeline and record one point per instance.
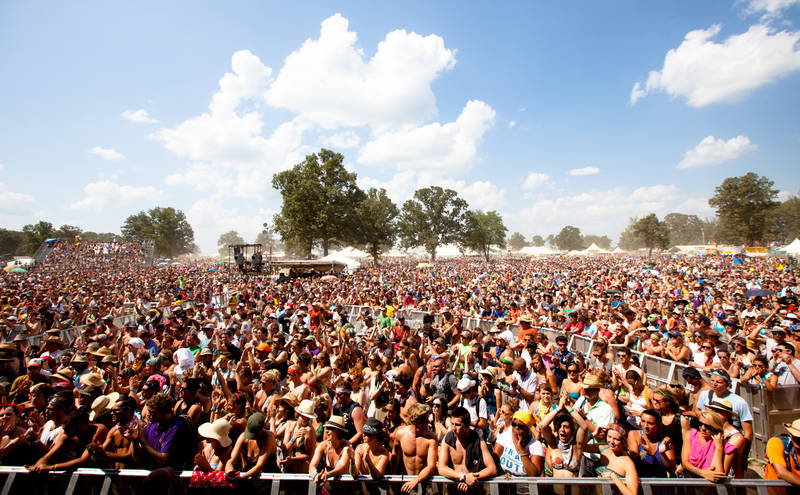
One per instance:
(166, 227)
(324, 206)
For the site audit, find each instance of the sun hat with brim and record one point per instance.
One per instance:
(80, 358)
(525, 318)
(218, 430)
(592, 381)
(793, 428)
(92, 379)
(490, 372)
(64, 374)
(290, 399)
(721, 405)
(306, 409)
(54, 340)
(103, 404)
(335, 423)
(102, 352)
(255, 424)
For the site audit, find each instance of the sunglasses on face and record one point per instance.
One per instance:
(518, 425)
(704, 426)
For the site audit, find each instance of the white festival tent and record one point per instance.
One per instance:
(595, 249)
(617, 250)
(537, 251)
(349, 262)
(792, 249)
(352, 253)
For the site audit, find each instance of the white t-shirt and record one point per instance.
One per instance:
(510, 460)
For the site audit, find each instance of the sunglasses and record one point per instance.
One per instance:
(436, 405)
(518, 425)
(704, 426)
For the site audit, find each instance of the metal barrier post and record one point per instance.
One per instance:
(8, 483)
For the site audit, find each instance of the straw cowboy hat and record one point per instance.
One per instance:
(306, 409)
(491, 372)
(335, 423)
(103, 404)
(218, 430)
(290, 399)
(592, 381)
(793, 428)
(92, 379)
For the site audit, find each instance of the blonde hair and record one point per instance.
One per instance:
(714, 419)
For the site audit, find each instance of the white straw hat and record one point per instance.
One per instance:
(218, 430)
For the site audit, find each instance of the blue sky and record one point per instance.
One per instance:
(530, 109)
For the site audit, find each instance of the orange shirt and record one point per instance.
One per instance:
(775, 455)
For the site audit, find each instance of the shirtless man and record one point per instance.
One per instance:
(466, 452)
(118, 446)
(416, 444)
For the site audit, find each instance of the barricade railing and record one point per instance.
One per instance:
(106, 478)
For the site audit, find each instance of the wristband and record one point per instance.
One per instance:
(55, 466)
(695, 470)
(462, 477)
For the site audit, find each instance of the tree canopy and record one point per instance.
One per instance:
(319, 196)
(483, 230)
(166, 227)
(376, 221)
(227, 239)
(434, 216)
(516, 241)
(569, 239)
(652, 232)
(537, 241)
(744, 206)
(602, 241)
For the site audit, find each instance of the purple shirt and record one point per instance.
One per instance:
(174, 438)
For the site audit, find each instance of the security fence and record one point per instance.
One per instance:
(103, 482)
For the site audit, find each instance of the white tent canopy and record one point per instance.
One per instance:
(793, 248)
(351, 263)
(595, 249)
(617, 250)
(537, 251)
(352, 253)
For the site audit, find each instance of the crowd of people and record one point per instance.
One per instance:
(246, 375)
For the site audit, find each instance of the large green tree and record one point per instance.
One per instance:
(376, 222)
(569, 239)
(744, 206)
(10, 242)
(516, 241)
(166, 227)
(652, 232)
(68, 232)
(786, 221)
(602, 241)
(35, 234)
(482, 231)
(687, 229)
(435, 216)
(228, 239)
(628, 239)
(100, 237)
(319, 198)
(537, 241)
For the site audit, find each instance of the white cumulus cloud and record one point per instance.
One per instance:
(12, 202)
(331, 82)
(713, 151)
(584, 171)
(450, 146)
(212, 217)
(535, 180)
(705, 72)
(107, 153)
(512, 124)
(770, 8)
(226, 144)
(102, 193)
(139, 116)
(346, 139)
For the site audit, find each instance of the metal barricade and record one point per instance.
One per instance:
(301, 483)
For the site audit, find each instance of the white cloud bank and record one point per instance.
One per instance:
(107, 153)
(448, 146)
(535, 180)
(770, 8)
(139, 116)
(103, 193)
(713, 151)
(584, 171)
(330, 82)
(706, 72)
